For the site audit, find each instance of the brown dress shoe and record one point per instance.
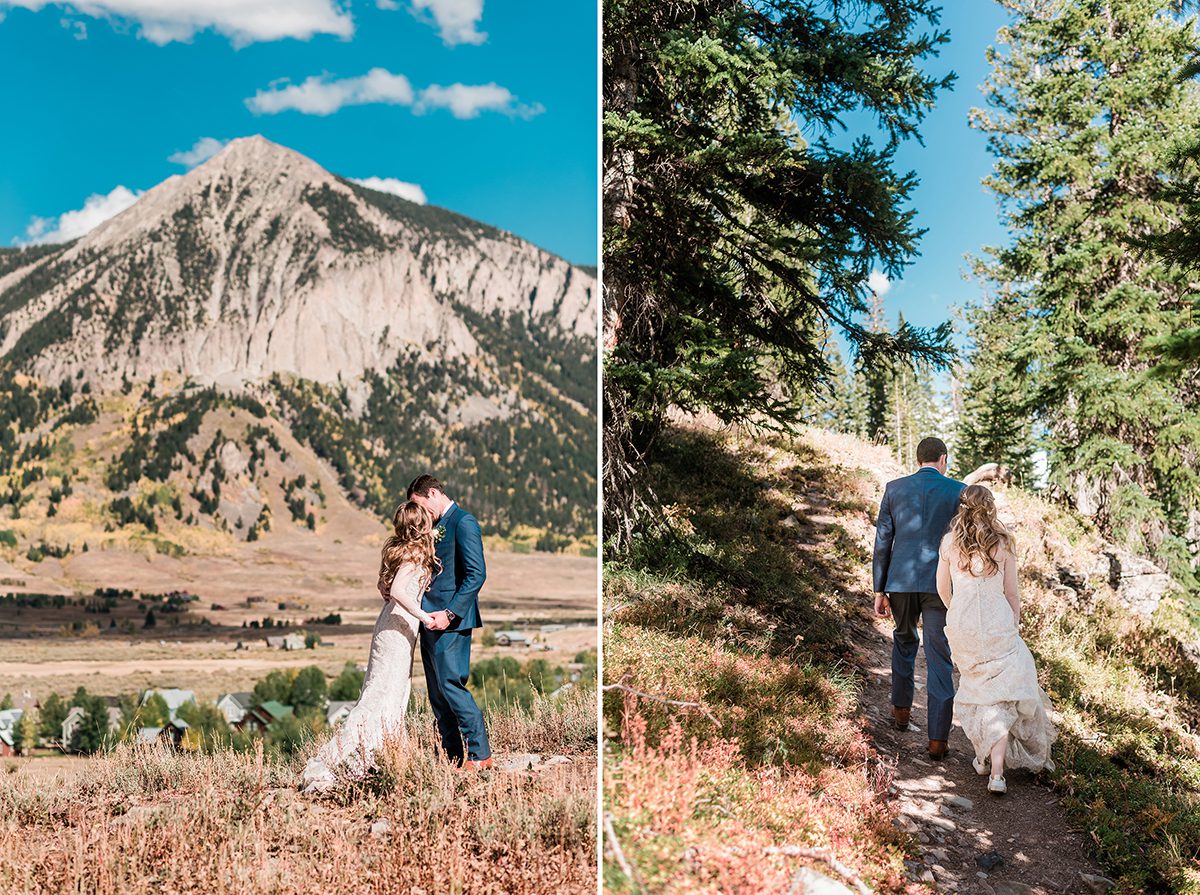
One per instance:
(938, 749)
(901, 717)
(477, 765)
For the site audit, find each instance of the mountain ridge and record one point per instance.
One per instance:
(259, 261)
(391, 338)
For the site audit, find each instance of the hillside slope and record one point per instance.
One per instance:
(750, 611)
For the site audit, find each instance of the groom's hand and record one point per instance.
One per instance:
(438, 621)
(883, 606)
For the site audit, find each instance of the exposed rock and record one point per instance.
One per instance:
(1097, 884)
(528, 761)
(1073, 579)
(1137, 582)
(522, 761)
(959, 802)
(813, 882)
(232, 458)
(906, 823)
(380, 828)
(989, 860)
(1068, 593)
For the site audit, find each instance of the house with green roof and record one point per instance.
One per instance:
(261, 716)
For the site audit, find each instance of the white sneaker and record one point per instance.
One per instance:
(997, 786)
(980, 766)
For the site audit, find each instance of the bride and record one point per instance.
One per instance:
(999, 704)
(408, 565)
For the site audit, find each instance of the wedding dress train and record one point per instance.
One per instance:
(384, 700)
(998, 690)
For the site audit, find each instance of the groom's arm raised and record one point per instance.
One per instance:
(469, 540)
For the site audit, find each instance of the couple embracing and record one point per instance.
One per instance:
(943, 557)
(431, 571)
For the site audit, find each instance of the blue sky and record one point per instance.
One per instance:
(488, 107)
(951, 203)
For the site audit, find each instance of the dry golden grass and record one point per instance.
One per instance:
(151, 820)
(759, 761)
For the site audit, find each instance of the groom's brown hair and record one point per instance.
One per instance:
(930, 450)
(423, 484)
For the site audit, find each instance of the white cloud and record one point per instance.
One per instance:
(243, 22)
(467, 101)
(879, 283)
(456, 20)
(410, 191)
(321, 95)
(77, 25)
(318, 95)
(69, 225)
(202, 150)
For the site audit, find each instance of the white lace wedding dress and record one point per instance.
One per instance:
(386, 687)
(998, 689)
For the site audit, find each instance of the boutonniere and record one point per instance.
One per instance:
(439, 533)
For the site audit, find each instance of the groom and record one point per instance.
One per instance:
(453, 600)
(913, 517)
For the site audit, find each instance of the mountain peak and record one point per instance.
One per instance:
(260, 261)
(256, 151)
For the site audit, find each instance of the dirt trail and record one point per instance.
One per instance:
(945, 805)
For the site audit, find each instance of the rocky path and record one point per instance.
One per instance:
(971, 841)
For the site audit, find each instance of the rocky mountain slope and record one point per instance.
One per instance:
(387, 337)
(258, 262)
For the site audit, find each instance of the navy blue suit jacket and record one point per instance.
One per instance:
(913, 517)
(457, 586)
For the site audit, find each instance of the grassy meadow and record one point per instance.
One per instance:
(147, 819)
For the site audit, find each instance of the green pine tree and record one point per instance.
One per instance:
(276, 686)
(208, 730)
(308, 688)
(876, 379)
(25, 734)
(91, 734)
(998, 410)
(53, 712)
(1084, 102)
(732, 244)
(914, 410)
(154, 712)
(348, 685)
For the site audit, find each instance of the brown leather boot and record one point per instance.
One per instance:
(901, 717)
(938, 749)
(477, 765)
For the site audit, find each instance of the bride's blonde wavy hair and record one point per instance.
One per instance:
(976, 531)
(412, 541)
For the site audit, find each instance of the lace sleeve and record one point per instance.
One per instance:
(406, 590)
